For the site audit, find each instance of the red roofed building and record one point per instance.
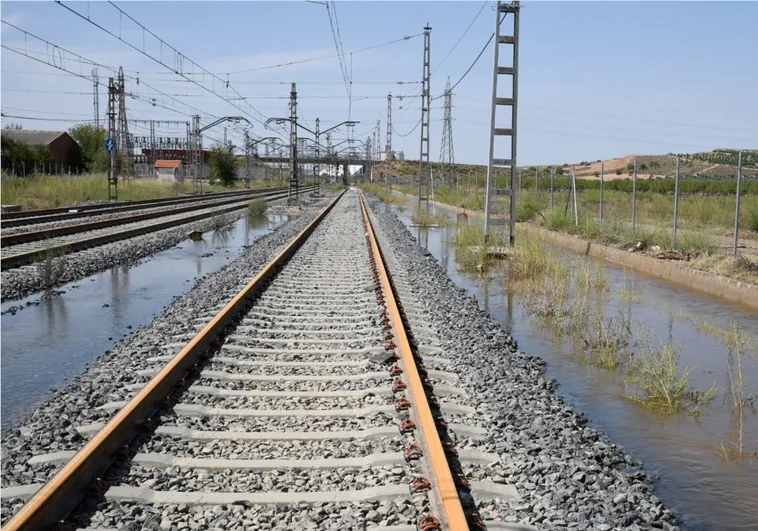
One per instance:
(169, 170)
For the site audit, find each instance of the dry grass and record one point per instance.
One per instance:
(50, 191)
(742, 268)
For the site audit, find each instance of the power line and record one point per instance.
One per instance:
(461, 37)
(321, 58)
(3, 115)
(472, 64)
(409, 132)
(45, 112)
(181, 61)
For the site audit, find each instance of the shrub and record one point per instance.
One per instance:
(752, 220)
(257, 207)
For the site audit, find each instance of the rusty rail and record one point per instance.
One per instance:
(59, 496)
(453, 516)
(20, 259)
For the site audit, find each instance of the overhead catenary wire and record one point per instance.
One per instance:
(461, 37)
(181, 60)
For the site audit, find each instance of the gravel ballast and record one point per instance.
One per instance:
(52, 425)
(568, 475)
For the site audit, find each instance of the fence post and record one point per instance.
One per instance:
(573, 187)
(737, 207)
(23, 168)
(552, 171)
(634, 199)
(601, 193)
(519, 180)
(536, 178)
(676, 203)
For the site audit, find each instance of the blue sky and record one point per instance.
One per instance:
(597, 79)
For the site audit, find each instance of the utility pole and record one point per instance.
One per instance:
(511, 101)
(447, 153)
(112, 177)
(423, 170)
(317, 167)
(152, 158)
(96, 97)
(388, 143)
(197, 150)
(293, 188)
(247, 157)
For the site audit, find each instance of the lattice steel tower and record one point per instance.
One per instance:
(447, 152)
(123, 141)
(424, 169)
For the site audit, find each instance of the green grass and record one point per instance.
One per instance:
(50, 191)
(256, 207)
(470, 252)
(51, 268)
(657, 382)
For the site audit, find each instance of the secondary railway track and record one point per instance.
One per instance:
(26, 248)
(34, 217)
(317, 398)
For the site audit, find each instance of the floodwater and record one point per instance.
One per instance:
(46, 344)
(706, 492)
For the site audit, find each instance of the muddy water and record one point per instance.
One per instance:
(706, 492)
(52, 340)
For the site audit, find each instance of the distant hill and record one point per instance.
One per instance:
(717, 164)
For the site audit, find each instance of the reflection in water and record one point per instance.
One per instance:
(45, 344)
(704, 491)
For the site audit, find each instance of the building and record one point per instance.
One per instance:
(66, 152)
(169, 170)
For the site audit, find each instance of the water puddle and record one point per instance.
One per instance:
(704, 490)
(46, 344)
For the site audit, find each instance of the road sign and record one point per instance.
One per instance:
(499, 191)
(109, 144)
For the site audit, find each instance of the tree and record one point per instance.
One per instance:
(618, 171)
(643, 166)
(91, 140)
(630, 167)
(15, 126)
(223, 165)
(559, 171)
(20, 158)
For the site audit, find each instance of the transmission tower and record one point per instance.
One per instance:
(369, 151)
(509, 99)
(424, 169)
(96, 97)
(123, 141)
(447, 152)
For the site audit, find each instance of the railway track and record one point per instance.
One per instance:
(35, 217)
(316, 398)
(26, 248)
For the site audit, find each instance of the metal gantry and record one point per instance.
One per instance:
(509, 100)
(424, 169)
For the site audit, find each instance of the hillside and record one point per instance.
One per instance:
(720, 164)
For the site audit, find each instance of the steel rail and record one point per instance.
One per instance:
(59, 496)
(15, 219)
(54, 232)
(453, 514)
(21, 259)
